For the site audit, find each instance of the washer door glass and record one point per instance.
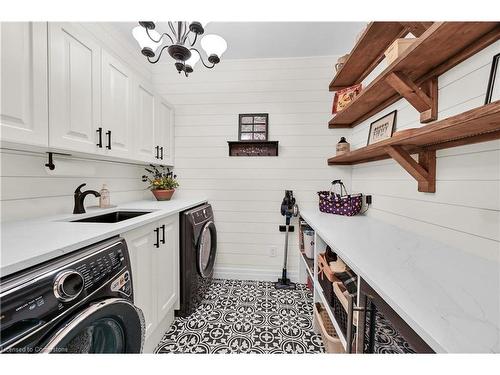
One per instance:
(104, 335)
(206, 249)
(111, 326)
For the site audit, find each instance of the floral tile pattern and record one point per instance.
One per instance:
(246, 317)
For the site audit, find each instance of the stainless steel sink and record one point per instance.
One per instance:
(112, 217)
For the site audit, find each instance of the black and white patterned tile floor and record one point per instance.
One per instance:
(246, 317)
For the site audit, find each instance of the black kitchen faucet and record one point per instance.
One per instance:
(80, 197)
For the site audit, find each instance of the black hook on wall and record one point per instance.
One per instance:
(51, 164)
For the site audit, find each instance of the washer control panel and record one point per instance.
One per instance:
(201, 214)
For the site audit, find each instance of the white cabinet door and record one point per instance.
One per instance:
(117, 106)
(167, 266)
(74, 88)
(145, 124)
(24, 108)
(140, 244)
(165, 131)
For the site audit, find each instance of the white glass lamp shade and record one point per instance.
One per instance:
(140, 34)
(193, 59)
(214, 45)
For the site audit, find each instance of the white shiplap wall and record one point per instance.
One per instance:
(246, 192)
(30, 190)
(465, 210)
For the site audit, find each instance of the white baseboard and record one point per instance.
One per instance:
(252, 274)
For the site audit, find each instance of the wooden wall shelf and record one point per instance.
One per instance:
(477, 125)
(369, 50)
(253, 148)
(413, 75)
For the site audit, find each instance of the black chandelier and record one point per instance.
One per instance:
(182, 44)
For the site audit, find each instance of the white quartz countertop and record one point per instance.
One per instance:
(450, 297)
(27, 243)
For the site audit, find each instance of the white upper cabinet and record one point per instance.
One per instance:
(145, 124)
(117, 107)
(165, 131)
(74, 88)
(24, 105)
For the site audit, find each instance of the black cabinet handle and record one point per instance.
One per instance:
(161, 152)
(108, 133)
(163, 230)
(157, 148)
(157, 231)
(99, 133)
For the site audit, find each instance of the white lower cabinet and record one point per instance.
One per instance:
(154, 254)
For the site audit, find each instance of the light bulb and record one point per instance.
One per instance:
(140, 34)
(214, 45)
(193, 59)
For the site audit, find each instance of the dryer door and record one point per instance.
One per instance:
(111, 326)
(206, 249)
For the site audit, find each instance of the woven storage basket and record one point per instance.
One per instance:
(324, 324)
(325, 276)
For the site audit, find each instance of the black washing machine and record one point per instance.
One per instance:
(79, 303)
(198, 246)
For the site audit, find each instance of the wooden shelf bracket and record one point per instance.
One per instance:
(424, 97)
(424, 171)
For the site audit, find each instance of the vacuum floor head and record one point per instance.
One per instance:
(284, 284)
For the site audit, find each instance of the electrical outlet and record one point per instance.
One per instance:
(273, 251)
(368, 199)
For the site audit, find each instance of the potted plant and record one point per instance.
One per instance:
(162, 183)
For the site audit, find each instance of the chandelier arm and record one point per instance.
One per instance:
(171, 25)
(161, 36)
(159, 55)
(185, 32)
(203, 61)
(194, 41)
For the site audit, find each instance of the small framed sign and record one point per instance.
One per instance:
(344, 97)
(493, 90)
(382, 128)
(253, 126)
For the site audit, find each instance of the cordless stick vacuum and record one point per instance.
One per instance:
(288, 209)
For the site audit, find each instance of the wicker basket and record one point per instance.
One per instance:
(325, 276)
(324, 325)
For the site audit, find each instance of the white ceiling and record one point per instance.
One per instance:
(272, 39)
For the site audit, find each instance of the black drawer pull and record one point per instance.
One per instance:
(99, 133)
(161, 152)
(163, 230)
(108, 133)
(157, 155)
(157, 231)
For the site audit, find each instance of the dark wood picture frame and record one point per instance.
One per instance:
(253, 116)
(393, 127)
(493, 78)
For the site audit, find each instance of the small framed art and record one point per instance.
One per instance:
(344, 97)
(493, 90)
(253, 126)
(382, 128)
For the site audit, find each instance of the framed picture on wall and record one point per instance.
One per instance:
(382, 128)
(253, 126)
(493, 90)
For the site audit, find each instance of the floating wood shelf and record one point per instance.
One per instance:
(369, 50)
(253, 148)
(413, 75)
(477, 125)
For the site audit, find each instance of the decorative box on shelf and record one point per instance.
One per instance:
(253, 148)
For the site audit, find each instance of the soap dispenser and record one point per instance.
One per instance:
(104, 199)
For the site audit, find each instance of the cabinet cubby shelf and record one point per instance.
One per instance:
(413, 75)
